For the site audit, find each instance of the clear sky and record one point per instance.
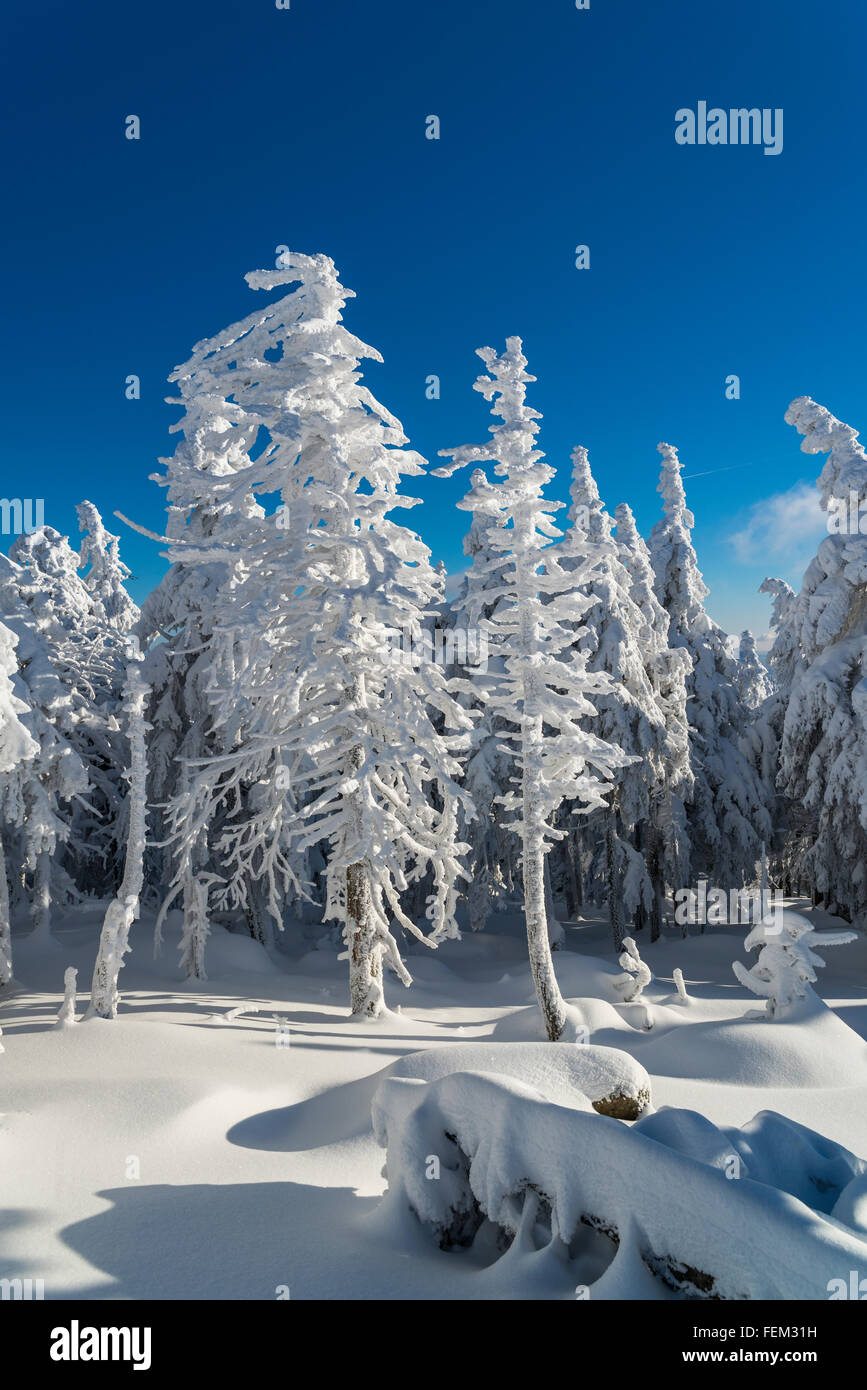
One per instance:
(306, 127)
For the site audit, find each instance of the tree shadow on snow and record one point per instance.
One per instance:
(242, 1241)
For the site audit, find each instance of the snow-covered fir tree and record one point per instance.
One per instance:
(18, 750)
(630, 715)
(58, 779)
(124, 908)
(330, 736)
(487, 763)
(753, 681)
(728, 815)
(822, 647)
(543, 693)
(83, 650)
(667, 851)
(105, 574)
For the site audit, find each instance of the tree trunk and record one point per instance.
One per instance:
(640, 916)
(556, 934)
(573, 842)
(541, 963)
(123, 911)
(615, 903)
(42, 895)
(654, 868)
(5, 925)
(366, 994)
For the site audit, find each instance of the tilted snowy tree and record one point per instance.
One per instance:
(667, 850)
(545, 684)
(334, 731)
(728, 816)
(124, 909)
(823, 643)
(18, 749)
(785, 968)
(106, 573)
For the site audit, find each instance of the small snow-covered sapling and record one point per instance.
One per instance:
(66, 1017)
(680, 986)
(784, 970)
(631, 984)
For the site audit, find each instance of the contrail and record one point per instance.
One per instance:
(707, 474)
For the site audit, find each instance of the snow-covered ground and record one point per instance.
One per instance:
(174, 1153)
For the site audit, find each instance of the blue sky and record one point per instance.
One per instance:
(306, 127)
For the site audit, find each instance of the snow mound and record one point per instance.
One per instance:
(526, 1025)
(580, 1077)
(851, 1206)
(770, 1149)
(469, 1151)
(809, 1047)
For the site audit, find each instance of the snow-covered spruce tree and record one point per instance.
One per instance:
(84, 652)
(545, 683)
(667, 851)
(630, 715)
(124, 909)
(105, 573)
(785, 968)
(332, 733)
(728, 816)
(18, 749)
(754, 682)
(57, 777)
(487, 763)
(822, 647)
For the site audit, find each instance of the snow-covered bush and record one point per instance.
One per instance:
(785, 968)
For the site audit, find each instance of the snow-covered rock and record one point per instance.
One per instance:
(582, 1077)
(469, 1149)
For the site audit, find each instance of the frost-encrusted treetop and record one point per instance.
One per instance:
(754, 682)
(587, 510)
(104, 580)
(679, 584)
(846, 466)
(826, 601)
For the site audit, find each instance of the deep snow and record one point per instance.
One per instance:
(173, 1153)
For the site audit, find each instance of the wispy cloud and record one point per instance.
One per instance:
(788, 524)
